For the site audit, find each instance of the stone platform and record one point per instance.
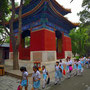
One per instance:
(50, 66)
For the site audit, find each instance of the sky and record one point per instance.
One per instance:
(75, 7)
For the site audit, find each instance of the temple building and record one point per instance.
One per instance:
(47, 29)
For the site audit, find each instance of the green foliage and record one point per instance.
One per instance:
(27, 2)
(27, 41)
(85, 14)
(7, 40)
(77, 57)
(79, 40)
(81, 37)
(4, 9)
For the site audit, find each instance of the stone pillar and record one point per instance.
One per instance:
(43, 45)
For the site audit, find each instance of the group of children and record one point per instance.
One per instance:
(36, 78)
(61, 68)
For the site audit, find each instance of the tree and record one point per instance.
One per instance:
(81, 36)
(4, 12)
(85, 20)
(79, 39)
(87, 44)
(85, 14)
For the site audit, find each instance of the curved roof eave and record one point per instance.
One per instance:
(74, 24)
(68, 10)
(38, 6)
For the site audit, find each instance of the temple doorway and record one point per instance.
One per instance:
(24, 52)
(59, 49)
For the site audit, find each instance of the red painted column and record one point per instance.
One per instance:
(43, 40)
(43, 45)
(68, 46)
(63, 45)
(11, 49)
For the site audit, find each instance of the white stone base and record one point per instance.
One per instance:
(27, 64)
(50, 66)
(68, 53)
(43, 56)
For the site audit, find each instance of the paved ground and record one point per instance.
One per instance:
(75, 83)
(8, 83)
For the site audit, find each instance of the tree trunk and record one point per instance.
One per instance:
(15, 60)
(13, 39)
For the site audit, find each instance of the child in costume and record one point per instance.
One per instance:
(45, 73)
(60, 73)
(24, 81)
(36, 78)
(75, 67)
(80, 69)
(84, 60)
(67, 68)
(61, 64)
(87, 63)
(57, 73)
(70, 66)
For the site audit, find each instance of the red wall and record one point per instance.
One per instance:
(62, 54)
(67, 43)
(66, 46)
(43, 40)
(24, 54)
(11, 50)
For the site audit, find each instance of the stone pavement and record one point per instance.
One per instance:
(11, 83)
(74, 83)
(8, 83)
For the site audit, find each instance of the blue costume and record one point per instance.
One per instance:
(79, 66)
(62, 67)
(24, 79)
(60, 74)
(57, 72)
(74, 67)
(67, 68)
(36, 84)
(36, 76)
(24, 83)
(44, 74)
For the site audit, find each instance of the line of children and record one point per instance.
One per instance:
(59, 67)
